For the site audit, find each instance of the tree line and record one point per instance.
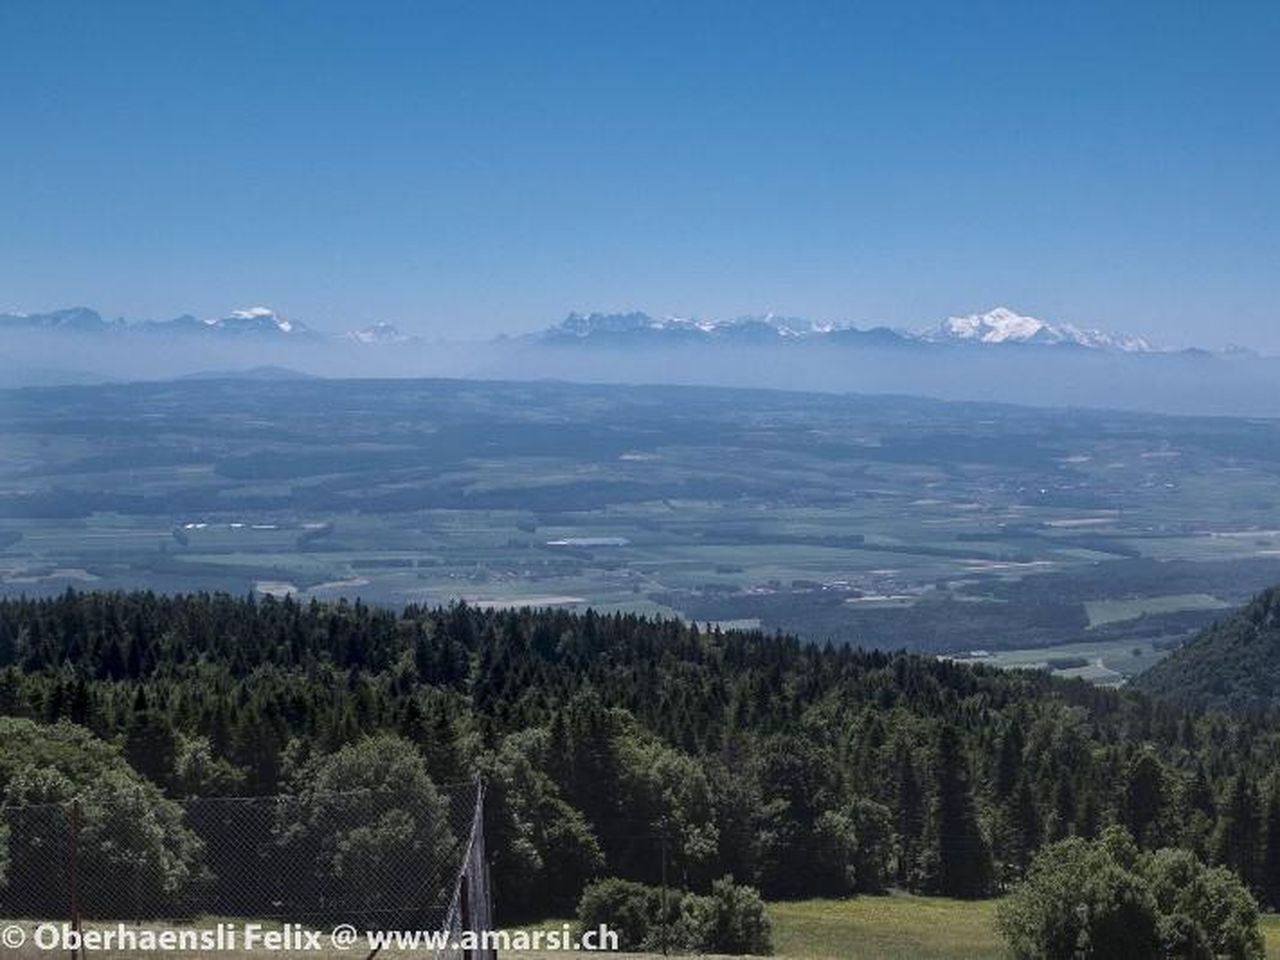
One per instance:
(619, 746)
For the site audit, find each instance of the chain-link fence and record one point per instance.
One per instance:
(375, 860)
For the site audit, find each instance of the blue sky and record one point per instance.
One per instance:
(471, 168)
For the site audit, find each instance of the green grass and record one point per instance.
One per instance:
(902, 927)
(1110, 661)
(886, 928)
(896, 927)
(1271, 931)
(1117, 611)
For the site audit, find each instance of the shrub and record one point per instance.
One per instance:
(734, 920)
(731, 920)
(1100, 900)
(632, 910)
(364, 820)
(136, 854)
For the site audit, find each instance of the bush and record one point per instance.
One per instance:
(1213, 900)
(1100, 900)
(631, 910)
(136, 853)
(732, 919)
(366, 820)
(542, 850)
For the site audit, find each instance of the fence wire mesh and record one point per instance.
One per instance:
(375, 860)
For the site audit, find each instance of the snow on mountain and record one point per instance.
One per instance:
(1003, 325)
(256, 320)
(998, 326)
(251, 321)
(378, 333)
(78, 319)
(765, 326)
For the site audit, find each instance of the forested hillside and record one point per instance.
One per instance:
(1232, 665)
(607, 739)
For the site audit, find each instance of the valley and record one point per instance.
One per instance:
(982, 530)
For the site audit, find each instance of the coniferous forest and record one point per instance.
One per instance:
(615, 746)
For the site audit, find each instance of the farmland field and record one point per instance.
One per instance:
(1103, 612)
(1109, 663)
(878, 521)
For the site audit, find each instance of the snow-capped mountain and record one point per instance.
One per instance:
(254, 323)
(998, 326)
(1003, 325)
(636, 325)
(78, 319)
(381, 332)
(256, 320)
(250, 321)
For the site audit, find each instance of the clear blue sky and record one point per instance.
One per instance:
(470, 168)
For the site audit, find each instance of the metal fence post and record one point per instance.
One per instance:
(666, 907)
(73, 871)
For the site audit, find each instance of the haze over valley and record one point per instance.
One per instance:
(874, 521)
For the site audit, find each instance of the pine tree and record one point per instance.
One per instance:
(911, 813)
(149, 744)
(1024, 817)
(8, 644)
(1144, 799)
(961, 856)
(1236, 840)
(1269, 867)
(1004, 777)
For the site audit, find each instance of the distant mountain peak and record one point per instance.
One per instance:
(77, 319)
(1002, 325)
(635, 323)
(256, 320)
(380, 332)
(998, 326)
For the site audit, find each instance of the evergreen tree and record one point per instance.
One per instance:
(1236, 841)
(1269, 865)
(150, 745)
(1144, 799)
(961, 857)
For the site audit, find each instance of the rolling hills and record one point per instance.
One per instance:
(1232, 665)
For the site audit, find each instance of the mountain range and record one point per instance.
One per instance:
(1000, 355)
(250, 322)
(998, 327)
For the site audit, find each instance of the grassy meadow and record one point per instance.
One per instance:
(896, 927)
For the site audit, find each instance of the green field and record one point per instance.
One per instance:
(897, 927)
(892, 927)
(1109, 662)
(1103, 612)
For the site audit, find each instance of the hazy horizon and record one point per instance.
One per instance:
(471, 170)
